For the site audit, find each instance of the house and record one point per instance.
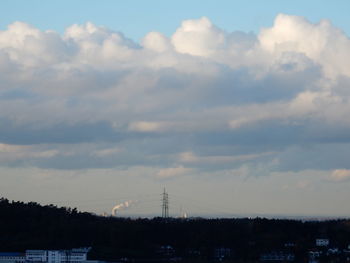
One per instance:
(314, 256)
(333, 251)
(322, 242)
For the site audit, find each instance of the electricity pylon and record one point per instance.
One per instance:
(165, 205)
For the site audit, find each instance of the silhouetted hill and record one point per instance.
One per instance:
(32, 226)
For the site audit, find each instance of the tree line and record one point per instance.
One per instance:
(33, 226)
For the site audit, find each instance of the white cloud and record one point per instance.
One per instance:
(157, 42)
(173, 172)
(198, 37)
(10, 153)
(31, 47)
(340, 175)
(190, 157)
(7, 148)
(146, 126)
(241, 94)
(106, 152)
(322, 42)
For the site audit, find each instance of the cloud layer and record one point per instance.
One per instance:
(202, 100)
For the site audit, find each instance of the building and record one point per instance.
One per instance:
(322, 242)
(222, 253)
(36, 255)
(333, 251)
(166, 251)
(277, 256)
(75, 255)
(12, 257)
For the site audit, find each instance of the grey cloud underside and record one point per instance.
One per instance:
(203, 99)
(295, 148)
(58, 133)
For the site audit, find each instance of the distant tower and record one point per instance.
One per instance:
(165, 205)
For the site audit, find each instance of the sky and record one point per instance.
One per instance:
(238, 108)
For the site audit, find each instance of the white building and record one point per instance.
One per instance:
(36, 255)
(322, 242)
(76, 255)
(12, 257)
(277, 256)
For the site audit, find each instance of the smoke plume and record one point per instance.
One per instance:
(122, 206)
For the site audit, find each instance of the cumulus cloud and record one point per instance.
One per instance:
(201, 97)
(157, 42)
(198, 37)
(321, 42)
(29, 46)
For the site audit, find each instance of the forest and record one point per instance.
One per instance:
(34, 226)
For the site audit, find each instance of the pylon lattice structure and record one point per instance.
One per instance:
(165, 205)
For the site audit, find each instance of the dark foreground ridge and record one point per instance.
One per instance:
(32, 226)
